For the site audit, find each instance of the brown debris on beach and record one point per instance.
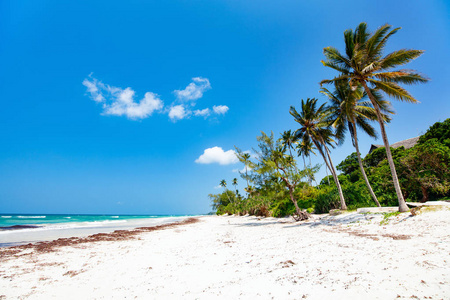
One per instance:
(118, 235)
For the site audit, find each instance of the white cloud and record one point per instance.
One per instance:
(217, 155)
(178, 112)
(220, 109)
(117, 101)
(202, 113)
(194, 90)
(121, 102)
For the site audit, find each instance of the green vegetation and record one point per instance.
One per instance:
(386, 217)
(278, 186)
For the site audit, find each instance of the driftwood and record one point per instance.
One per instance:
(301, 217)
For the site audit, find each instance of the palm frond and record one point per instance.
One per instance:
(402, 76)
(335, 57)
(338, 78)
(380, 47)
(337, 67)
(349, 42)
(399, 57)
(375, 40)
(393, 90)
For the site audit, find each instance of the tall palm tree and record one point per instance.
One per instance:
(350, 111)
(235, 183)
(315, 127)
(364, 64)
(304, 149)
(245, 159)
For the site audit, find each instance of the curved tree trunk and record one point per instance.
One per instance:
(338, 184)
(424, 193)
(330, 166)
(402, 207)
(355, 140)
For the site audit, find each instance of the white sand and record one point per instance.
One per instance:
(345, 257)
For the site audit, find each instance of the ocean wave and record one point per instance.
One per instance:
(114, 217)
(31, 217)
(67, 217)
(6, 217)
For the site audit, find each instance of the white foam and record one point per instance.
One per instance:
(31, 217)
(6, 217)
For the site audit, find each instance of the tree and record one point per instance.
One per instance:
(305, 149)
(235, 183)
(363, 64)
(282, 166)
(439, 131)
(223, 184)
(315, 126)
(350, 111)
(244, 158)
(428, 164)
(288, 141)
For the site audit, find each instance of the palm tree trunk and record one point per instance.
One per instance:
(355, 140)
(338, 184)
(402, 207)
(330, 166)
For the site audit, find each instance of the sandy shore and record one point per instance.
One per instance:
(349, 256)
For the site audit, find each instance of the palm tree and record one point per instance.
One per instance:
(288, 141)
(304, 150)
(223, 184)
(315, 127)
(349, 111)
(245, 159)
(364, 64)
(235, 183)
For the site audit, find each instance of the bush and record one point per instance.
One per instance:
(282, 208)
(327, 199)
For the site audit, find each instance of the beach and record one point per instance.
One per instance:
(349, 256)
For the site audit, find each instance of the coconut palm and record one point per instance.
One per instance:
(245, 159)
(315, 127)
(364, 64)
(350, 111)
(288, 141)
(223, 184)
(304, 150)
(235, 183)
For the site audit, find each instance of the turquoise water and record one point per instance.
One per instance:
(17, 229)
(8, 220)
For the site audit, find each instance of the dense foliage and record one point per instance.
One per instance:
(424, 174)
(277, 186)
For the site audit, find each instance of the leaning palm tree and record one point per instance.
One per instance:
(350, 111)
(364, 64)
(315, 127)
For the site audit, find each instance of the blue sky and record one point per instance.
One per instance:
(107, 106)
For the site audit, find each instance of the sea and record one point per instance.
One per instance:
(19, 229)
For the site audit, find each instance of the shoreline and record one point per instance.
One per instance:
(34, 233)
(349, 256)
(117, 235)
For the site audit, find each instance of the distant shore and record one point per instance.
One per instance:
(349, 256)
